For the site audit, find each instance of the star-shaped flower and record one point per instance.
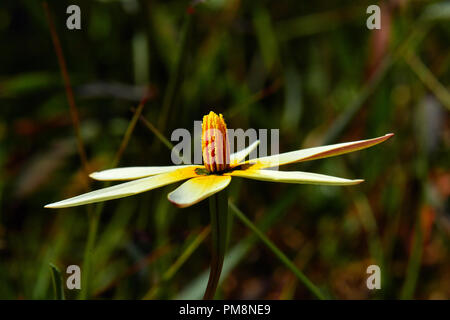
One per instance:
(219, 166)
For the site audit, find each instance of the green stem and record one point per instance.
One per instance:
(413, 268)
(218, 208)
(280, 255)
(173, 269)
(94, 219)
(58, 286)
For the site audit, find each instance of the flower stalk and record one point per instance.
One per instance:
(218, 208)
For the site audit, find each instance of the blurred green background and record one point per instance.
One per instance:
(311, 69)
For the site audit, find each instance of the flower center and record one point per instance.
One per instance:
(215, 147)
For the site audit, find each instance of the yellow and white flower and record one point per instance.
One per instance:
(219, 166)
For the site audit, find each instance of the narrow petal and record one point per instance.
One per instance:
(314, 153)
(237, 157)
(197, 189)
(293, 177)
(127, 188)
(131, 173)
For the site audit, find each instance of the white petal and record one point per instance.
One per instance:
(131, 173)
(197, 189)
(127, 188)
(293, 177)
(314, 153)
(237, 157)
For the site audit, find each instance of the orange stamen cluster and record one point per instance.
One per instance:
(215, 146)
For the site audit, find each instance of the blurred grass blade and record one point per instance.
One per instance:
(140, 58)
(26, 83)
(94, 218)
(176, 75)
(127, 136)
(58, 286)
(266, 37)
(437, 11)
(340, 124)
(74, 113)
(293, 99)
(428, 78)
(314, 23)
(173, 269)
(414, 263)
(278, 253)
(162, 138)
(186, 254)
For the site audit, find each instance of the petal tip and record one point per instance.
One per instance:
(94, 175)
(384, 138)
(177, 204)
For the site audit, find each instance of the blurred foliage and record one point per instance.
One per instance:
(311, 69)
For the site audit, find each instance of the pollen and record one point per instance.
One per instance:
(215, 145)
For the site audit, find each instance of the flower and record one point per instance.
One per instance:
(218, 169)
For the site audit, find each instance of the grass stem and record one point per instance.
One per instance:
(278, 253)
